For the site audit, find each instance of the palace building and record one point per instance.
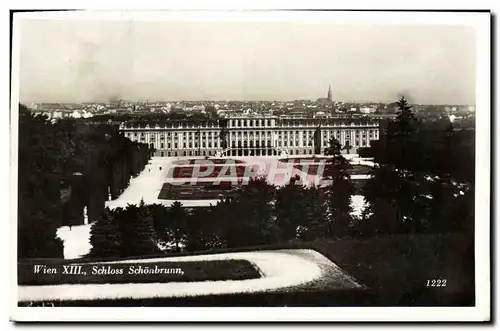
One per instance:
(252, 136)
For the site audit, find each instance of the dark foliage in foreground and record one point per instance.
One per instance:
(64, 166)
(424, 180)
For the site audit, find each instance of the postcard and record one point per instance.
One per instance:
(250, 166)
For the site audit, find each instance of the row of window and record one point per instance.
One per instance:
(251, 144)
(217, 142)
(232, 152)
(245, 133)
(237, 152)
(186, 145)
(241, 123)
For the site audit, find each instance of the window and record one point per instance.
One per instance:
(162, 146)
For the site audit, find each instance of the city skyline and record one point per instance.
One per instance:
(99, 61)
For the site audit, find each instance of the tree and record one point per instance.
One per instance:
(339, 191)
(248, 217)
(201, 231)
(137, 230)
(105, 237)
(406, 122)
(223, 133)
(39, 187)
(422, 168)
(176, 229)
(290, 209)
(52, 154)
(211, 112)
(317, 140)
(317, 225)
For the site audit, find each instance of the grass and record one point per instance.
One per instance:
(177, 272)
(399, 267)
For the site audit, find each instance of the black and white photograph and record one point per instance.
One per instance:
(274, 159)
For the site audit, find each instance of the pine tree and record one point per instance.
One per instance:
(137, 231)
(248, 217)
(201, 233)
(105, 237)
(290, 209)
(406, 122)
(254, 203)
(177, 227)
(317, 224)
(381, 214)
(339, 191)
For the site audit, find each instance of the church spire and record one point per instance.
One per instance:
(329, 92)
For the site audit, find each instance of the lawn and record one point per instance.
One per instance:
(93, 273)
(398, 268)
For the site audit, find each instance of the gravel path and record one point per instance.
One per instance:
(279, 269)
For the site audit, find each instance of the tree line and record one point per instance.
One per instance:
(422, 182)
(64, 166)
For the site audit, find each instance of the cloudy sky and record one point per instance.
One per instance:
(72, 61)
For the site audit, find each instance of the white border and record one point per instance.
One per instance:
(480, 21)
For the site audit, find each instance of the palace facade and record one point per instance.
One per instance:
(252, 136)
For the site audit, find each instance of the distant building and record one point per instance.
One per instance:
(252, 135)
(367, 110)
(328, 99)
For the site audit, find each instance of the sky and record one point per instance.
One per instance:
(99, 61)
